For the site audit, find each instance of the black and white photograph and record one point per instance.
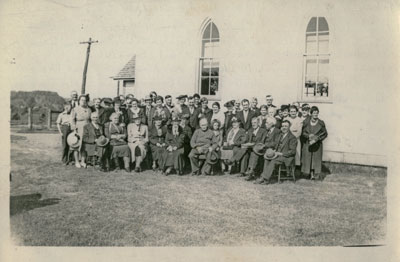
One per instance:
(173, 123)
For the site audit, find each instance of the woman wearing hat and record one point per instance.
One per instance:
(173, 154)
(296, 126)
(138, 137)
(80, 116)
(314, 132)
(157, 142)
(94, 148)
(134, 111)
(116, 132)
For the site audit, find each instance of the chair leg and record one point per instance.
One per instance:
(292, 169)
(279, 174)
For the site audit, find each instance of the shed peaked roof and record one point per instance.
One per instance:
(128, 71)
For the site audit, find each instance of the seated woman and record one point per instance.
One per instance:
(173, 155)
(138, 137)
(314, 132)
(216, 127)
(93, 152)
(234, 138)
(157, 142)
(116, 132)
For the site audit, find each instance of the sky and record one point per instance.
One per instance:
(40, 43)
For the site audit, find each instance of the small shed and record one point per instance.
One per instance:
(127, 77)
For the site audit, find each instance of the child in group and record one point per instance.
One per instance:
(64, 128)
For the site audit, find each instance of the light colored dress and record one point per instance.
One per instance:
(296, 126)
(138, 136)
(80, 116)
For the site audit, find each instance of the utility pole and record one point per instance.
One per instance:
(86, 63)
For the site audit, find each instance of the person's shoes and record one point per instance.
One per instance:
(194, 173)
(138, 170)
(260, 181)
(180, 173)
(77, 165)
(154, 167)
(83, 165)
(127, 169)
(249, 178)
(168, 171)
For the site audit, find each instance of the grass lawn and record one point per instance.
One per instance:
(53, 205)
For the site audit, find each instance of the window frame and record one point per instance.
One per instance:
(201, 58)
(318, 56)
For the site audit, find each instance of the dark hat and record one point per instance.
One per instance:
(284, 107)
(102, 141)
(181, 97)
(183, 116)
(235, 119)
(212, 157)
(305, 106)
(107, 100)
(131, 96)
(117, 100)
(203, 99)
(157, 118)
(168, 96)
(230, 103)
(196, 95)
(270, 154)
(259, 149)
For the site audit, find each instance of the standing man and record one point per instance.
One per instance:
(205, 111)
(74, 99)
(147, 111)
(253, 106)
(105, 110)
(181, 104)
(269, 99)
(284, 153)
(246, 115)
(168, 104)
(193, 114)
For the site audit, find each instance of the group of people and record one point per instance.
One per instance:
(127, 133)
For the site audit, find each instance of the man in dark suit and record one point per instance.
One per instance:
(104, 111)
(271, 137)
(205, 111)
(269, 99)
(284, 153)
(192, 114)
(253, 106)
(246, 115)
(147, 110)
(74, 99)
(181, 103)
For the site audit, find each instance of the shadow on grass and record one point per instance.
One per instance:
(23, 203)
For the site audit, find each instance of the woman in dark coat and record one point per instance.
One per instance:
(313, 133)
(116, 132)
(92, 152)
(157, 142)
(173, 155)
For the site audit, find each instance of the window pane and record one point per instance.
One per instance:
(215, 33)
(323, 69)
(207, 49)
(207, 32)
(214, 86)
(311, 43)
(322, 24)
(215, 71)
(205, 86)
(312, 25)
(323, 43)
(311, 67)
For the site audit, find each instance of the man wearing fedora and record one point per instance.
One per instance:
(284, 153)
(271, 136)
(256, 135)
(203, 142)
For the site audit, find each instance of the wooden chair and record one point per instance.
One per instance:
(289, 172)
